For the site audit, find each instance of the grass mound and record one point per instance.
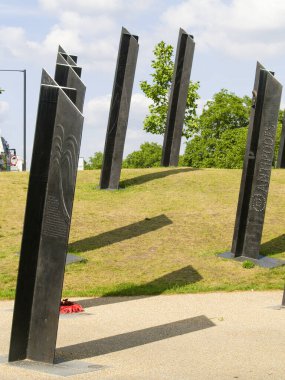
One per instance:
(160, 233)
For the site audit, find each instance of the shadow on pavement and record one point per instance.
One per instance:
(181, 277)
(131, 339)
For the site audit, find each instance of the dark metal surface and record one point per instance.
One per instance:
(119, 111)
(257, 165)
(46, 225)
(67, 74)
(177, 99)
(66, 59)
(70, 59)
(47, 79)
(281, 152)
(62, 61)
(247, 173)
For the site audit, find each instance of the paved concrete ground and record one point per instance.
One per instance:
(197, 336)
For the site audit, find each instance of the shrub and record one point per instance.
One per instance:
(95, 162)
(248, 264)
(148, 156)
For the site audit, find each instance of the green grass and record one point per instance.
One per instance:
(160, 234)
(247, 264)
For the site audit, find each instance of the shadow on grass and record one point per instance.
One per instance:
(181, 277)
(119, 234)
(151, 176)
(274, 246)
(131, 339)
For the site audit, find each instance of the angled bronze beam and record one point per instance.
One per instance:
(256, 173)
(177, 99)
(47, 224)
(119, 111)
(247, 172)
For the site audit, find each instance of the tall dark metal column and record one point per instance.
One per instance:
(177, 99)
(281, 152)
(247, 172)
(47, 223)
(257, 170)
(119, 111)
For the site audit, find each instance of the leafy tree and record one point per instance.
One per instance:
(149, 155)
(95, 162)
(158, 92)
(230, 148)
(1, 90)
(222, 131)
(278, 137)
(225, 111)
(199, 153)
(225, 152)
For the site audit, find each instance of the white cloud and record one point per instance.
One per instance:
(243, 28)
(96, 118)
(135, 135)
(140, 104)
(65, 37)
(82, 5)
(92, 35)
(75, 21)
(13, 39)
(239, 27)
(87, 6)
(201, 103)
(96, 52)
(4, 107)
(12, 10)
(96, 111)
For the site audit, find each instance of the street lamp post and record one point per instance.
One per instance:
(24, 114)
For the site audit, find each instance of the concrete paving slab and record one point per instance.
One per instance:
(65, 369)
(219, 336)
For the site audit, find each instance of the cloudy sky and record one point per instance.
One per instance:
(230, 36)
